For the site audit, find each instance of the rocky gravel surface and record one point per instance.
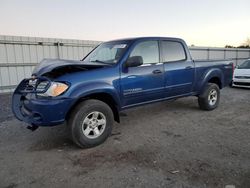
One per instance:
(170, 144)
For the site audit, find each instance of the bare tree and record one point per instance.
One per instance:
(246, 44)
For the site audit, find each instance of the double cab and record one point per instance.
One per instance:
(116, 75)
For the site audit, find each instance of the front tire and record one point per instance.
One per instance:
(91, 123)
(210, 98)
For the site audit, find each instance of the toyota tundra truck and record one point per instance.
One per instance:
(89, 94)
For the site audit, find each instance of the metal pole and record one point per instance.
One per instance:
(58, 50)
(236, 56)
(208, 53)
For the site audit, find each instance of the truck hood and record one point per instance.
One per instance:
(63, 66)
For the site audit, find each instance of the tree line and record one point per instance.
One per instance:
(246, 44)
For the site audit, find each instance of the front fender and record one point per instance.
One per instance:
(211, 73)
(83, 90)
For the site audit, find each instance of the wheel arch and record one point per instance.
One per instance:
(215, 76)
(216, 80)
(102, 96)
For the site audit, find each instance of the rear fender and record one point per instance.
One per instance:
(211, 73)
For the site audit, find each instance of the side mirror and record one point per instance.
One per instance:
(134, 61)
(236, 66)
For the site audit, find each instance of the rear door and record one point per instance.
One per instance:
(179, 69)
(146, 82)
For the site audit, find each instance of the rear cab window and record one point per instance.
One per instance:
(172, 51)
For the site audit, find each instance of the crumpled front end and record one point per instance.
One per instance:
(30, 107)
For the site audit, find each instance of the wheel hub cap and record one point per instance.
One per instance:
(94, 124)
(212, 97)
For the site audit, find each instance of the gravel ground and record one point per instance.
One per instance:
(168, 144)
(5, 108)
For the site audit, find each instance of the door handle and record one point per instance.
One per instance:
(188, 67)
(157, 71)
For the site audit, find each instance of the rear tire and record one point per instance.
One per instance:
(210, 98)
(91, 123)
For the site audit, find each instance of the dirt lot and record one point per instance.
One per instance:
(168, 144)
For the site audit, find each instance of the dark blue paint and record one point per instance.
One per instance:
(128, 87)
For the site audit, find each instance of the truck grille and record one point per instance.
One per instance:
(39, 85)
(26, 86)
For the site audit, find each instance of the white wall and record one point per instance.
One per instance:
(237, 55)
(19, 55)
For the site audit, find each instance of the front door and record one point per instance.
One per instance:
(144, 83)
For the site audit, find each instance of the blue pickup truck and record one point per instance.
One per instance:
(89, 94)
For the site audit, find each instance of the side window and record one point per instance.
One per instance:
(148, 50)
(172, 51)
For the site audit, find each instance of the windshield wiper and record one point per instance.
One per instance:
(99, 61)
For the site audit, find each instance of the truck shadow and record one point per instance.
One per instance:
(52, 138)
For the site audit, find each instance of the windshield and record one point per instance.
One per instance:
(108, 53)
(245, 65)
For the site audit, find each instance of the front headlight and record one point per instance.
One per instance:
(55, 89)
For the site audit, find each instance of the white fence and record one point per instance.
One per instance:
(237, 55)
(19, 55)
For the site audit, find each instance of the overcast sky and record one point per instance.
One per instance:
(199, 22)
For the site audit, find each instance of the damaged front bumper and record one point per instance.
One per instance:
(29, 107)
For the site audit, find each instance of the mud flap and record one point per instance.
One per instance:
(32, 127)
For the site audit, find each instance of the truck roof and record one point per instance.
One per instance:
(148, 38)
